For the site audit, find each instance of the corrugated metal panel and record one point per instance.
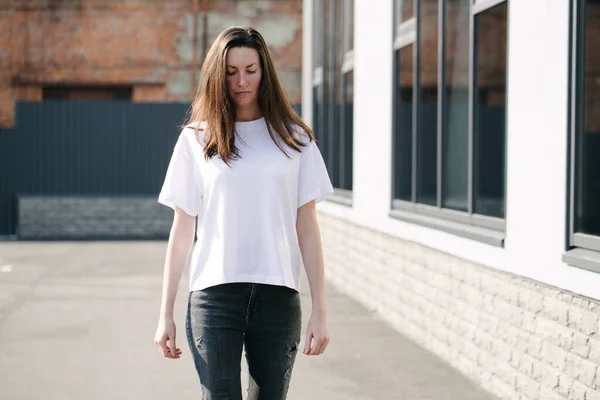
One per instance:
(95, 147)
(8, 211)
(298, 109)
(87, 148)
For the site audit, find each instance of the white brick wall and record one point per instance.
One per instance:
(517, 338)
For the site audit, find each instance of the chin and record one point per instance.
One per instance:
(245, 102)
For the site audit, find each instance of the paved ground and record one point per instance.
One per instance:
(77, 321)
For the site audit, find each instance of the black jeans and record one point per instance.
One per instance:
(265, 319)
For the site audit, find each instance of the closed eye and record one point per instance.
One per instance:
(234, 72)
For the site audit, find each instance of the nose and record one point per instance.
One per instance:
(242, 80)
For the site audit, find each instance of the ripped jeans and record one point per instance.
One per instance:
(265, 319)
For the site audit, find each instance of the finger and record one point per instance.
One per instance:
(170, 354)
(318, 346)
(323, 346)
(315, 346)
(163, 347)
(159, 343)
(327, 340)
(322, 343)
(307, 343)
(173, 345)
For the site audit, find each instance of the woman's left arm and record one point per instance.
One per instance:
(309, 238)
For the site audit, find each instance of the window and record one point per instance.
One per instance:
(450, 110)
(455, 128)
(333, 83)
(584, 235)
(489, 118)
(85, 93)
(404, 120)
(403, 10)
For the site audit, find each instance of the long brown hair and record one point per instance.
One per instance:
(214, 106)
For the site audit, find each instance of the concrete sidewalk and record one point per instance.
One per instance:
(77, 321)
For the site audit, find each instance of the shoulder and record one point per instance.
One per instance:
(299, 133)
(196, 125)
(193, 133)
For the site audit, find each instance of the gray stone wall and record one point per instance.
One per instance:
(517, 338)
(77, 217)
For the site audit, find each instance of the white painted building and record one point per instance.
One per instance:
(463, 137)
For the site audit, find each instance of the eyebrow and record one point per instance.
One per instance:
(247, 66)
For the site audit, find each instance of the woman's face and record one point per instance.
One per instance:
(243, 75)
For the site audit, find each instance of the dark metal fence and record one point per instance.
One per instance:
(86, 148)
(8, 206)
(104, 148)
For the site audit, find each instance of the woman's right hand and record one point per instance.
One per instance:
(165, 333)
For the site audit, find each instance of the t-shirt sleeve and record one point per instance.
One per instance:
(313, 179)
(182, 183)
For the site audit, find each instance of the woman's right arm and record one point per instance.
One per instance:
(180, 242)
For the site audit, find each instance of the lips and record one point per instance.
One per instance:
(242, 93)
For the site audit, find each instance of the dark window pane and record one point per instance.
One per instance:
(319, 33)
(348, 131)
(404, 123)
(428, 110)
(328, 85)
(587, 205)
(334, 66)
(489, 133)
(316, 111)
(327, 40)
(350, 24)
(338, 41)
(404, 10)
(320, 118)
(455, 137)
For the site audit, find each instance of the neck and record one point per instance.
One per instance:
(248, 113)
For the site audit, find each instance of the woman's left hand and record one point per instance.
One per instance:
(317, 334)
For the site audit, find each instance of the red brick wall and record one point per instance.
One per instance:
(149, 93)
(145, 44)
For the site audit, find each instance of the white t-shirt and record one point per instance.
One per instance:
(247, 213)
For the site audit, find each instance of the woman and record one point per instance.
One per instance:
(248, 168)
